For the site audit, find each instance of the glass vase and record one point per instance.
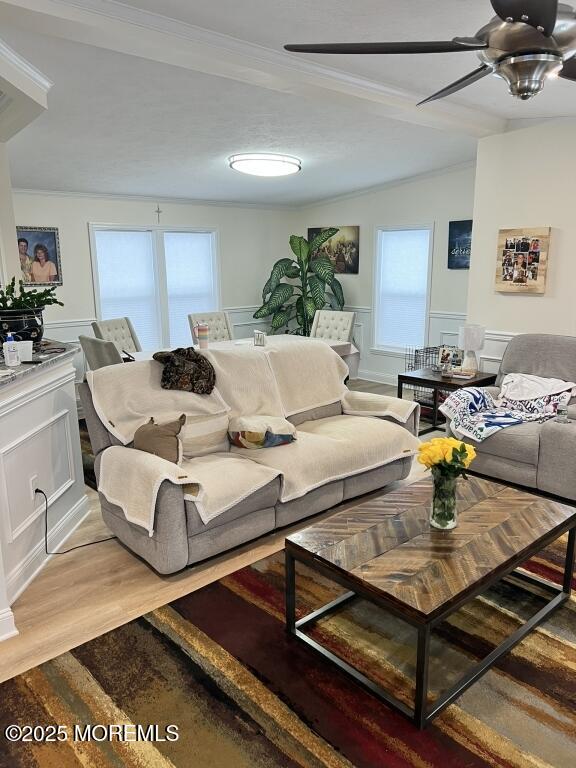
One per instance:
(443, 514)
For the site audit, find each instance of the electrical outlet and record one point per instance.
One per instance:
(33, 486)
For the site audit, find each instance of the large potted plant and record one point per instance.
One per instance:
(299, 286)
(21, 311)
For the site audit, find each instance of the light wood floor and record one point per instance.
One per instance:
(83, 594)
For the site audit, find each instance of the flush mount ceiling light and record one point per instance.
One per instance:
(259, 164)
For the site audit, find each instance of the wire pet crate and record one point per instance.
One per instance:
(424, 357)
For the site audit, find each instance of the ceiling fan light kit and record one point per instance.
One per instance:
(526, 43)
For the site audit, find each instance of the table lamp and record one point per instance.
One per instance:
(471, 340)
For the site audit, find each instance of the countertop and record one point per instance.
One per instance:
(47, 358)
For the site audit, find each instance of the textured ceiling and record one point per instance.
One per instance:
(123, 125)
(272, 23)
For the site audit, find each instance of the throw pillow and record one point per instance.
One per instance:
(161, 439)
(185, 369)
(201, 436)
(260, 432)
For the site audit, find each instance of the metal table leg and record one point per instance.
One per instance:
(290, 593)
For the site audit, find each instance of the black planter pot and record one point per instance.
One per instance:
(23, 324)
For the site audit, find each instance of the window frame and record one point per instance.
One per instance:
(399, 351)
(159, 257)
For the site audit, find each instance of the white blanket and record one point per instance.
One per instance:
(126, 396)
(245, 380)
(309, 373)
(131, 479)
(331, 449)
(524, 386)
(371, 404)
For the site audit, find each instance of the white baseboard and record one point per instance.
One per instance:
(20, 576)
(7, 625)
(378, 378)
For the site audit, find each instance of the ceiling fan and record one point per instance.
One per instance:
(527, 42)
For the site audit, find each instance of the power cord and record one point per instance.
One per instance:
(65, 551)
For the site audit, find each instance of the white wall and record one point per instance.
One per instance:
(435, 199)
(249, 241)
(526, 179)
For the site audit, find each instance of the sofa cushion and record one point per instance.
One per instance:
(520, 443)
(334, 409)
(331, 449)
(262, 498)
(224, 481)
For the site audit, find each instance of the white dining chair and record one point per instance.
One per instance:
(330, 324)
(120, 331)
(219, 325)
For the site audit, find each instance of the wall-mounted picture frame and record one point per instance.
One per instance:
(522, 260)
(459, 244)
(343, 249)
(39, 252)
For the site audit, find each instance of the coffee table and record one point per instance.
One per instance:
(384, 551)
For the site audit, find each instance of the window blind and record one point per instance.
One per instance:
(127, 284)
(402, 287)
(190, 280)
(156, 278)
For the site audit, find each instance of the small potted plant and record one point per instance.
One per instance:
(447, 458)
(21, 311)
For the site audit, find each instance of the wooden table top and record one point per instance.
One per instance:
(387, 546)
(429, 376)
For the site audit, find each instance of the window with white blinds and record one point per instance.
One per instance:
(155, 277)
(402, 287)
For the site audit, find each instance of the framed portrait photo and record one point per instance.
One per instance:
(39, 252)
(522, 260)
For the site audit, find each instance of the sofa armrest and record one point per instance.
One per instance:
(412, 424)
(494, 391)
(370, 404)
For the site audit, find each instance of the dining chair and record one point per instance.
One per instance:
(118, 330)
(219, 325)
(329, 324)
(99, 353)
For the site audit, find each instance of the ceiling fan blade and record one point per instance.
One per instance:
(446, 46)
(569, 69)
(465, 81)
(541, 14)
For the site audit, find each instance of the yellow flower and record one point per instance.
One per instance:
(447, 450)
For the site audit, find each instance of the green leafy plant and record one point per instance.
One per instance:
(10, 298)
(312, 286)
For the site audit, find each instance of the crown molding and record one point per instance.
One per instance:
(14, 60)
(458, 168)
(154, 200)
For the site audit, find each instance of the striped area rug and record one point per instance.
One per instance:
(218, 664)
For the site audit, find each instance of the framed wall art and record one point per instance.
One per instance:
(459, 244)
(343, 249)
(39, 251)
(522, 260)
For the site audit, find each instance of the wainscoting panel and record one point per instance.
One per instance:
(243, 322)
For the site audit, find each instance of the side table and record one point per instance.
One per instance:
(429, 379)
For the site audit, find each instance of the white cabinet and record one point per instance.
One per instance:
(39, 448)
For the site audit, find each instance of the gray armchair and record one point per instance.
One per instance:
(533, 454)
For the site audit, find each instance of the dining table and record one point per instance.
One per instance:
(345, 349)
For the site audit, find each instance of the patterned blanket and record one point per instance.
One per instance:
(475, 414)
